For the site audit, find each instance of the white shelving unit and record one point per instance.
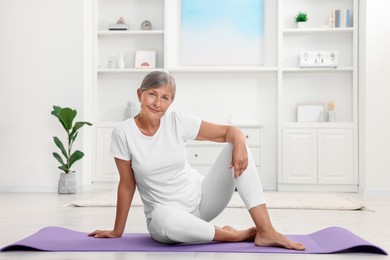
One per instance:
(264, 96)
(319, 156)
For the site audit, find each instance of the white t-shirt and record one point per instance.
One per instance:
(162, 173)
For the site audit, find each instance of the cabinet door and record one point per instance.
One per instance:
(105, 164)
(203, 155)
(299, 156)
(335, 156)
(252, 136)
(206, 155)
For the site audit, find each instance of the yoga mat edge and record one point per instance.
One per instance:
(326, 241)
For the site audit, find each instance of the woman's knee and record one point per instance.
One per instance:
(163, 224)
(172, 225)
(228, 148)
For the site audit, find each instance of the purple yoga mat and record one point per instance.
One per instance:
(329, 240)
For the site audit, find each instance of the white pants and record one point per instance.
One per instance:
(173, 225)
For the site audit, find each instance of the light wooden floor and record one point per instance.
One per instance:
(22, 214)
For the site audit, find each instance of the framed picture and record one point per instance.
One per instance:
(222, 33)
(310, 112)
(145, 59)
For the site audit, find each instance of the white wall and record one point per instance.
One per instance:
(375, 99)
(41, 64)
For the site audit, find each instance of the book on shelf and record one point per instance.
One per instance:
(340, 18)
(118, 27)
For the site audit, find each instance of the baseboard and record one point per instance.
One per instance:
(317, 188)
(50, 189)
(32, 189)
(376, 193)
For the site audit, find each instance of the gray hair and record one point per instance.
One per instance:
(156, 79)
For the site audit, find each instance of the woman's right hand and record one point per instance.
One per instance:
(126, 189)
(104, 234)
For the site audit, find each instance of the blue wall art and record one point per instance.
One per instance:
(222, 32)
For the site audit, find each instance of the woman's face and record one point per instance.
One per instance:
(155, 102)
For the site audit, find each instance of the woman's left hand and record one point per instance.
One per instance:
(222, 133)
(239, 159)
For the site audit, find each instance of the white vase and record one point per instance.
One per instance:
(301, 25)
(121, 62)
(67, 183)
(129, 110)
(331, 116)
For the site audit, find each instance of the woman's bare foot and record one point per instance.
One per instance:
(274, 238)
(266, 234)
(243, 235)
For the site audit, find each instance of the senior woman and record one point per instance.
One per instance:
(179, 203)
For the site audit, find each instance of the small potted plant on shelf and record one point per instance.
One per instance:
(67, 181)
(301, 19)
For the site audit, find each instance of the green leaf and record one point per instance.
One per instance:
(61, 146)
(56, 112)
(65, 115)
(77, 155)
(73, 138)
(59, 158)
(76, 127)
(64, 168)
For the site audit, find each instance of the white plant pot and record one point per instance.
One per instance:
(301, 25)
(67, 183)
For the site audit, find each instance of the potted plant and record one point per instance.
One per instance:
(301, 19)
(67, 182)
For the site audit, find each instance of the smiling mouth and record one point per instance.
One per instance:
(154, 110)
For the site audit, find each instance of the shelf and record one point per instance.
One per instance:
(107, 71)
(212, 69)
(317, 124)
(131, 33)
(310, 70)
(317, 30)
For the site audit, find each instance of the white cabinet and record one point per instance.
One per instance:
(300, 156)
(335, 156)
(202, 154)
(318, 156)
(105, 170)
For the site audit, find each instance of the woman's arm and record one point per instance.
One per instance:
(224, 133)
(126, 189)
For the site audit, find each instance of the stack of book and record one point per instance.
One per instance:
(118, 27)
(340, 18)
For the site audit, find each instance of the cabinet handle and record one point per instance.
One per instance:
(196, 155)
